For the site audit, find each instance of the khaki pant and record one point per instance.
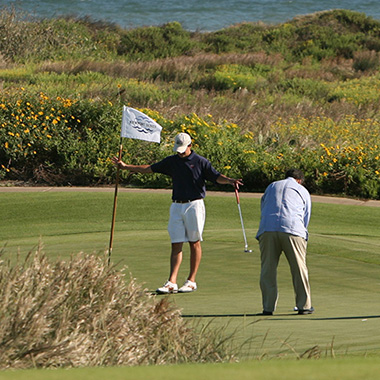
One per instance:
(272, 244)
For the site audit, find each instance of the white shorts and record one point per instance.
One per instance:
(187, 221)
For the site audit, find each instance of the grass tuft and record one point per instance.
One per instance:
(82, 312)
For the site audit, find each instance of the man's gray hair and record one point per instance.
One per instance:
(296, 174)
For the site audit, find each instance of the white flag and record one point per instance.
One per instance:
(137, 125)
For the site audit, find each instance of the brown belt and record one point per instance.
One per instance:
(187, 201)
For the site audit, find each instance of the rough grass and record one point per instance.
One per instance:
(82, 312)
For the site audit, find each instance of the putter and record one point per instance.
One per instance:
(241, 220)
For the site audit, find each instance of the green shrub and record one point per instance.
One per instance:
(64, 141)
(245, 37)
(362, 91)
(56, 141)
(233, 77)
(355, 20)
(25, 39)
(156, 42)
(304, 87)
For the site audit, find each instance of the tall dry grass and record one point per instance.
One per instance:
(165, 69)
(82, 312)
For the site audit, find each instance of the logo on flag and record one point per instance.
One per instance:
(137, 125)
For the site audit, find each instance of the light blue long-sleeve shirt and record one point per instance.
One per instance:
(285, 207)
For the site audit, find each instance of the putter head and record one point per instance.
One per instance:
(248, 250)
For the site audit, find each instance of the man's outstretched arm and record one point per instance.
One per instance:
(132, 168)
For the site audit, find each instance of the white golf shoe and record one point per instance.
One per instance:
(168, 287)
(188, 287)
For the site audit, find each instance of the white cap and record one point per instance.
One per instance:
(181, 142)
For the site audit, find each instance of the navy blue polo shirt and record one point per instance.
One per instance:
(188, 174)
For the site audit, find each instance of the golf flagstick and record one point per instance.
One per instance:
(241, 220)
(134, 125)
(114, 204)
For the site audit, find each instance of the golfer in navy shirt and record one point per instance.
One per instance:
(189, 172)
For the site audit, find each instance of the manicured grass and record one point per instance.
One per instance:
(329, 369)
(343, 261)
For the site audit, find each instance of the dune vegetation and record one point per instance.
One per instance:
(255, 98)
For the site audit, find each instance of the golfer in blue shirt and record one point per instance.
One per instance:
(285, 216)
(189, 172)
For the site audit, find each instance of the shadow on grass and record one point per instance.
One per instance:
(230, 315)
(333, 234)
(278, 316)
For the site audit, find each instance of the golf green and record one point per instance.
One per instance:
(343, 260)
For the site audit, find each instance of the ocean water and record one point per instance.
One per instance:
(193, 15)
